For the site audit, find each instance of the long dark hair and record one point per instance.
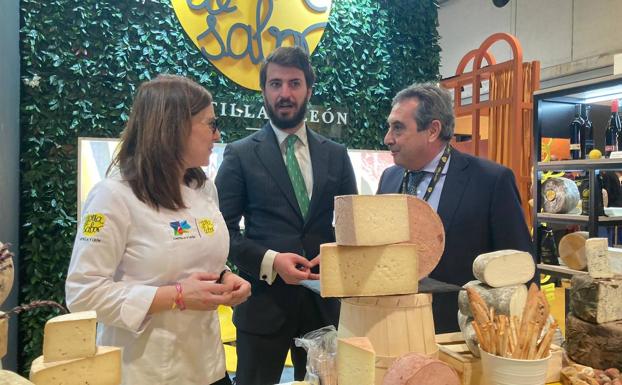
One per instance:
(152, 147)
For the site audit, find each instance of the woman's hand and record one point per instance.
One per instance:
(201, 292)
(241, 289)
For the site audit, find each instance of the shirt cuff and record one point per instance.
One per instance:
(134, 309)
(267, 273)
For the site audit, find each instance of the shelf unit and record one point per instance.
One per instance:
(610, 88)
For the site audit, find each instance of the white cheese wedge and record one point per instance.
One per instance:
(596, 252)
(504, 268)
(356, 361)
(70, 336)
(353, 271)
(104, 368)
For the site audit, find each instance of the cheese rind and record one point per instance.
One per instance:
(596, 253)
(4, 334)
(572, 250)
(354, 271)
(596, 300)
(371, 220)
(508, 300)
(595, 345)
(356, 361)
(104, 368)
(70, 336)
(504, 268)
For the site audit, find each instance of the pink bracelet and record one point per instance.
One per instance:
(179, 301)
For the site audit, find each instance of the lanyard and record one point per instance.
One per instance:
(437, 174)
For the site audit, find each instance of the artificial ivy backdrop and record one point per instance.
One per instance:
(83, 59)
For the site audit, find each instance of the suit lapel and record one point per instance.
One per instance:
(319, 163)
(269, 154)
(453, 189)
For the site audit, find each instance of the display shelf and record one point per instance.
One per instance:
(580, 165)
(558, 271)
(571, 219)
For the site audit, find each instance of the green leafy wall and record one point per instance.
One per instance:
(83, 59)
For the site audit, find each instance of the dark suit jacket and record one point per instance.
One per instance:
(253, 182)
(480, 210)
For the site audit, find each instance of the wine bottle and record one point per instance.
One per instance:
(613, 136)
(577, 141)
(548, 247)
(588, 129)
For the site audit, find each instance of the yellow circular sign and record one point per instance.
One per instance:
(236, 35)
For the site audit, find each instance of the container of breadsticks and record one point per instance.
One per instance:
(514, 351)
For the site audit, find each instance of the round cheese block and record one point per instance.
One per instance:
(6, 272)
(427, 233)
(416, 369)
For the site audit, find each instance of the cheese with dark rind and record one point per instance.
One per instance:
(595, 345)
(415, 369)
(508, 300)
(597, 255)
(559, 195)
(596, 300)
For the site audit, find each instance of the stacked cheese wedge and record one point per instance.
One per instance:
(71, 356)
(384, 245)
(501, 278)
(594, 325)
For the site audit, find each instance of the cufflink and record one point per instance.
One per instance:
(264, 277)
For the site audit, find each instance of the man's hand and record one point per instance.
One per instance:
(314, 262)
(292, 268)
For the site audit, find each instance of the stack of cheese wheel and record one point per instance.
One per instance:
(384, 245)
(501, 277)
(594, 326)
(71, 356)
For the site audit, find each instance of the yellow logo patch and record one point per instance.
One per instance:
(236, 36)
(207, 226)
(93, 224)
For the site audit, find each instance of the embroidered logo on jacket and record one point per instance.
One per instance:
(206, 225)
(93, 224)
(180, 227)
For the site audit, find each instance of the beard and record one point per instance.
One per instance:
(285, 123)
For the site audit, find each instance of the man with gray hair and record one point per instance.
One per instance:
(476, 199)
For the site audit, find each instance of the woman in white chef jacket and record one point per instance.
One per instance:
(150, 251)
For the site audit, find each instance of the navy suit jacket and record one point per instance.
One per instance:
(480, 210)
(253, 182)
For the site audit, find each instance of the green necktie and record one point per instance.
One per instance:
(295, 175)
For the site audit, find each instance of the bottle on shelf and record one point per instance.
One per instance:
(577, 135)
(613, 136)
(588, 129)
(548, 247)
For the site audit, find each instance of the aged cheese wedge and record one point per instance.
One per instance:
(104, 368)
(70, 336)
(596, 300)
(596, 252)
(10, 378)
(504, 268)
(468, 332)
(595, 345)
(356, 361)
(353, 271)
(372, 220)
(559, 195)
(415, 368)
(572, 250)
(508, 300)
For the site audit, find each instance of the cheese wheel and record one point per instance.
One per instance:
(596, 300)
(468, 332)
(4, 332)
(595, 345)
(373, 220)
(504, 268)
(508, 300)
(6, 272)
(356, 361)
(572, 250)
(559, 195)
(10, 378)
(416, 369)
(70, 336)
(104, 368)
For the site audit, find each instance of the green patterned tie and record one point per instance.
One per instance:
(298, 182)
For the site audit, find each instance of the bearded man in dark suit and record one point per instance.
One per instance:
(282, 180)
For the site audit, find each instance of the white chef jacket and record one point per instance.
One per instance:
(124, 250)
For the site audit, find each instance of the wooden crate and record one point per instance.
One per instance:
(454, 352)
